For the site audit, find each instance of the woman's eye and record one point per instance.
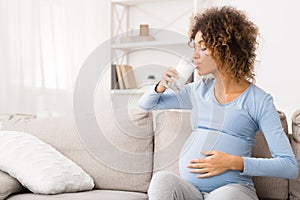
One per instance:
(200, 49)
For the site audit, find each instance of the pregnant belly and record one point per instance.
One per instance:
(205, 140)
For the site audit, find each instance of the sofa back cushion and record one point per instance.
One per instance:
(171, 131)
(62, 134)
(294, 185)
(173, 128)
(269, 187)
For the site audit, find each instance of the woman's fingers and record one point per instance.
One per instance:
(170, 76)
(200, 171)
(206, 175)
(196, 165)
(171, 72)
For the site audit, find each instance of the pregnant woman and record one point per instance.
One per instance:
(226, 112)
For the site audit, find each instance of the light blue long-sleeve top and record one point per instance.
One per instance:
(230, 128)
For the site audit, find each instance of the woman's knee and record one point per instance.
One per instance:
(233, 191)
(169, 186)
(164, 179)
(163, 183)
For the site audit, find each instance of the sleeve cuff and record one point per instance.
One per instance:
(152, 90)
(246, 166)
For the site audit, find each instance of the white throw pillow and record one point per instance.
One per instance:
(40, 167)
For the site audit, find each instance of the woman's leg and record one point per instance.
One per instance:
(232, 191)
(168, 186)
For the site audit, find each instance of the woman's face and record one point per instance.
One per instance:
(202, 59)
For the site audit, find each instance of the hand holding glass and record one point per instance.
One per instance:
(185, 70)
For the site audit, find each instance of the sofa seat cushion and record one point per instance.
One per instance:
(8, 185)
(89, 195)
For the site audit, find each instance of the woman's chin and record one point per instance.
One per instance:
(201, 73)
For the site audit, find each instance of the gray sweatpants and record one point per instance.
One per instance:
(168, 186)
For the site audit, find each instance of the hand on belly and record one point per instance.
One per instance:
(215, 162)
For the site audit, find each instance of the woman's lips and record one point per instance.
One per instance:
(197, 65)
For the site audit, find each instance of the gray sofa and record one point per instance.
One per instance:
(167, 131)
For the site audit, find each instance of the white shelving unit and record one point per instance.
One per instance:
(138, 91)
(135, 45)
(120, 20)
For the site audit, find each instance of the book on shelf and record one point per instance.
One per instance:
(125, 77)
(119, 77)
(128, 76)
(114, 77)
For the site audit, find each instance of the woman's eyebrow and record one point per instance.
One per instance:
(201, 41)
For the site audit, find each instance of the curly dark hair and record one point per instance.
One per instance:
(232, 39)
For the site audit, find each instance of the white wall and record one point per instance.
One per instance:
(277, 71)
